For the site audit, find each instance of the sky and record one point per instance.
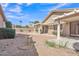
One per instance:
(27, 12)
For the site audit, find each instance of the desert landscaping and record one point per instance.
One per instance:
(36, 47)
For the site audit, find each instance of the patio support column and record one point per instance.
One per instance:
(58, 30)
(4, 26)
(39, 30)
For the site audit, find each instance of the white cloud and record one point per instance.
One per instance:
(55, 7)
(19, 3)
(17, 9)
(4, 5)
(60, 5)
(22, 17)
(29, 4)
(10, 16)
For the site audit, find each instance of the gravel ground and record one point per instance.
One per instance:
(17, 47)
(44, 50)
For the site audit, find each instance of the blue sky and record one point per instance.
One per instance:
(27, 12)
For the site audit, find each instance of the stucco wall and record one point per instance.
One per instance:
(24, 30)
(2, 23)
(50, 19)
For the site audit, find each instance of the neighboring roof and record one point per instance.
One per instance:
(37, 24)
(2, 13)
(59, 11)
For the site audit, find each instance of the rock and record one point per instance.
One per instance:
(76, 46)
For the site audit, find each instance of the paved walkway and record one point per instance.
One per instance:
(43, 50)
(17, 47)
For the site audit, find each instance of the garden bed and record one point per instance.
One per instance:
(64, 43)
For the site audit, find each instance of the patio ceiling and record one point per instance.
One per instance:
(71, 18)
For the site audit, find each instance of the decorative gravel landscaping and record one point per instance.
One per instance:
(44, 50)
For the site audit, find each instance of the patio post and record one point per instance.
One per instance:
(4, 24)
(39, 30)
(58, 30)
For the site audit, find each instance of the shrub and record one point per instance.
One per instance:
(6, 33)
(55, 33)
(58, 44)
(61, 44)
(65, 45)
(51, 44)
(8, 24)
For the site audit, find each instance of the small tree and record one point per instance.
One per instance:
(33, 22)
(18, 26)
(27, 26)
(8, 24)
(36, 22)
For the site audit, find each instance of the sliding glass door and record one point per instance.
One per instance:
(74, 28)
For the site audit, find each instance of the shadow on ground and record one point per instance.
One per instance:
(18, 47)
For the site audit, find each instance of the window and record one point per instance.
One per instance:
(55, 27)
(61, 26)
(51, 27)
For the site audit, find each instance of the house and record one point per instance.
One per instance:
(61, 22)
(29, 29)
(2, 18)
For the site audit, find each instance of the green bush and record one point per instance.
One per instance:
(51, 44)
(8, 24)
(56, 44)
(6, 33)
(55, 33)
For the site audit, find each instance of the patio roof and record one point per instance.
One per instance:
(60, 11)
(41, 24)
(70, 15)
(63, 17)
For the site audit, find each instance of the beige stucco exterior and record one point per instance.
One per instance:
(23, 30)
(2, 23)
(65, 21)
(2, 18)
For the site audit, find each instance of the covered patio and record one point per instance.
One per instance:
(70, 26)
(41, 28)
